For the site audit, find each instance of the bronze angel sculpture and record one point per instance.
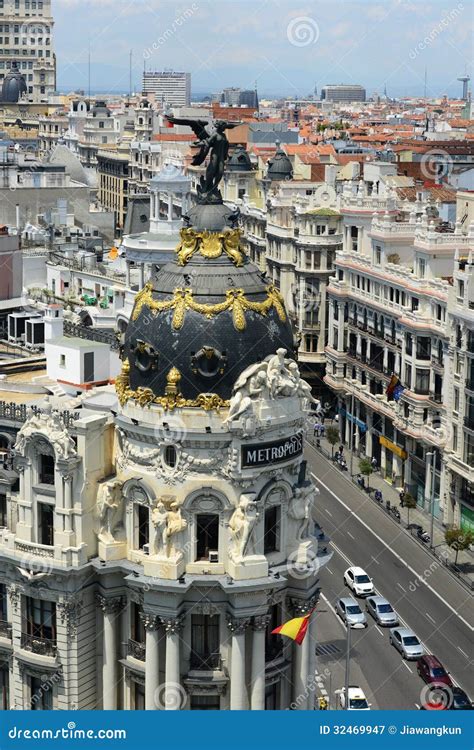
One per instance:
(213, 143)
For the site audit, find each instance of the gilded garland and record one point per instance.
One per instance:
(210, 245)
(171, 400)
(183, 300)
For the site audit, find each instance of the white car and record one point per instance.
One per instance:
(357, 699)
(358, 580)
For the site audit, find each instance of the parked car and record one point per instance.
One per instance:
(381, 610)
(430, 669)
(407, 643)
(349, 611)
(461, 700)
(357, 699)
(358, 580)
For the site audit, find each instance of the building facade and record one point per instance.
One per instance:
(343, 93)
(168, 87)
(26, 37)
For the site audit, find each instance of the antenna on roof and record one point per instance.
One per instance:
(130, 76)
(426, 76)
(89, 72)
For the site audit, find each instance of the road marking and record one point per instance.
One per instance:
(349, 534)
(463, 652)
(329, 570)
(431, 618)
(377, 562)
(406, 665)
(328, 512)
(382, 541)
(341, 553)
(377, 628)
(399, 584)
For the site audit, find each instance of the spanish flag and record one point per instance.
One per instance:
(295, 629)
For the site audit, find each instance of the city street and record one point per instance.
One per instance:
(426, 596)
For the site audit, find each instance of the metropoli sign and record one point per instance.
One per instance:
(272, 453)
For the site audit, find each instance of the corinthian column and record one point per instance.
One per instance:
(111, 609)
(259, 626)
(152, 671)
(238, 698)
(175, 695)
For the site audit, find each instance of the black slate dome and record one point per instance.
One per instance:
(279, 167)
(204, 322)
(14, 85)
(239, 161)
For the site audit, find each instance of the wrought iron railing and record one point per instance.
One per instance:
(20, 413)
(205, 662)
(38, 645)
(91, 334)
(136, 650)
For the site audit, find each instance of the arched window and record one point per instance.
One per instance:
(170, 456)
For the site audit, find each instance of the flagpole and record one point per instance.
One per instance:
(348, 659)
(352, 426)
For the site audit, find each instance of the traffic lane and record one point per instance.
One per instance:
(392, 534)
(393, 682)
(443, 633)
(331, 656)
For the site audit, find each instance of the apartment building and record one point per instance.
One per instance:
(26, 38)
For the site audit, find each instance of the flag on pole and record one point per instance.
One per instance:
(394, 389)
(295, 629)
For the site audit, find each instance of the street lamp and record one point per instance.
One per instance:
(355, 626)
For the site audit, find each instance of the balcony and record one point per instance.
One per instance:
(136, 650)
(37, 645)
(437, 398)
(205, 662)
(5, 630)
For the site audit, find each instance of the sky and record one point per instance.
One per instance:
(285, 47)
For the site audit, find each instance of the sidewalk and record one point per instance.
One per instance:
(440, 550)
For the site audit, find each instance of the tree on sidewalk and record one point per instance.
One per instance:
(332, 436)
(365, 468)
(458, 540)
(409, 502)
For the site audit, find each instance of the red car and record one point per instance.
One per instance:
(430, 670)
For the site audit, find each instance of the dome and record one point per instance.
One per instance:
(239, 161)
(14, 85)
(279, 167)
(171, 178)
(100, 108)
(203, 319)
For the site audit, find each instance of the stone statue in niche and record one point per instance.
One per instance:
(300, 509)
(168, 523)
(242, 526)
(109, 505)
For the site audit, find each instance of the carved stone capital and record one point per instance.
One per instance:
(302, 608)
(238, 625)
(15, 592)
(260, 622)
(109, 606)
(172, 625)
(69, 612)
(150, 621)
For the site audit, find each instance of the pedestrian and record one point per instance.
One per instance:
(374, 463)
(402, 496)
(341, 449)
(323, 431)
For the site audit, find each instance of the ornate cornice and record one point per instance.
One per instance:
(301, 607)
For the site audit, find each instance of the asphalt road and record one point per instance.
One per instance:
(426, 596)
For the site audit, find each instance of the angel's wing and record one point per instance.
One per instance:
(198, 126)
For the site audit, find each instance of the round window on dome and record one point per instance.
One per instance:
(145, 357)
(208, 362)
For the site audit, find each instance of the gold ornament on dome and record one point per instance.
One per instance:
(183, 300)
(210, 245)
(172, 398)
